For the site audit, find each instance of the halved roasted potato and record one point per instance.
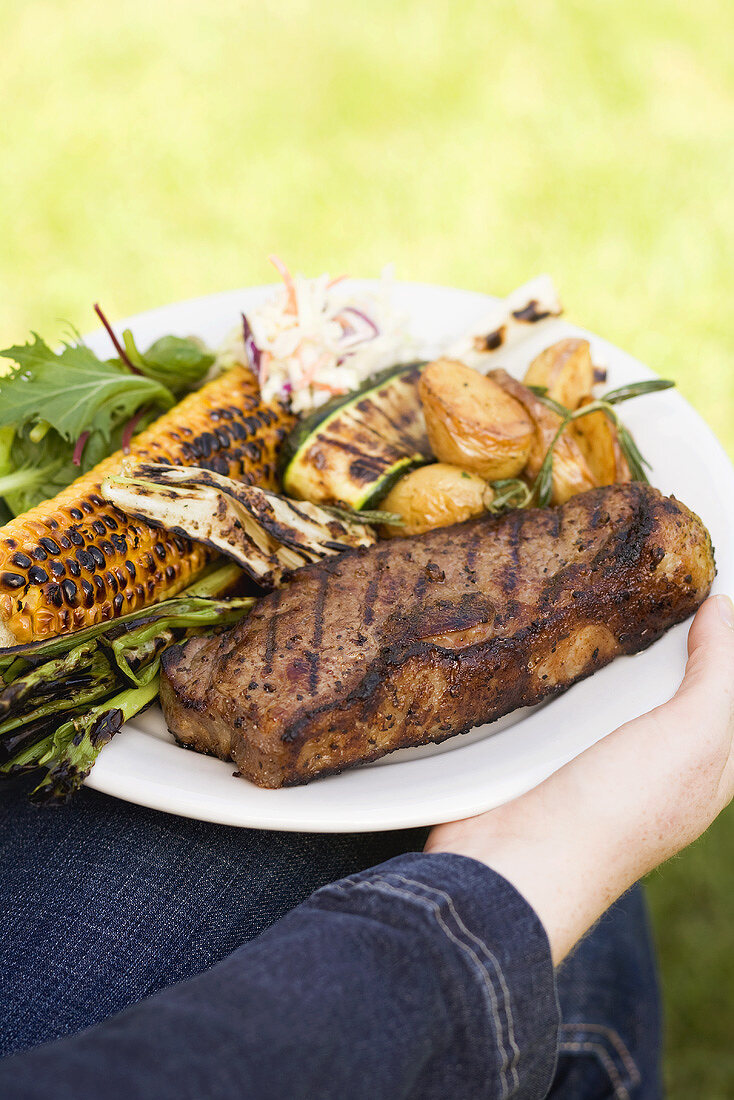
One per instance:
(565, 369)
(571, 473)
(597, 437)
(472, 422)
(433, 496)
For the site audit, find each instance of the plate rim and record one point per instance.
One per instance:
(167, 797)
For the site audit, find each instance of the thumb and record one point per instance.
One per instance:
(704, 701)
(697, 724)
(707, 690)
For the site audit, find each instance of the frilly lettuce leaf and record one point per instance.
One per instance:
(73, 390)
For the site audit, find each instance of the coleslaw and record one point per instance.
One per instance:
(319, 338)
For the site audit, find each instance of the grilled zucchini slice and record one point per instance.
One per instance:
(352, 450)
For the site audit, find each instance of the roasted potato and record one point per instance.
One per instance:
(566, 370)
(597, 437)
(472, 422)
(571, 473)
(433, 496)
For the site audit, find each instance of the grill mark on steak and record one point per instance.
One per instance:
(421, 585)
(369, 610)
(271, 634)
(371, 602)
(418, 639)
(318, 632)
(513, 545)
(556, 521)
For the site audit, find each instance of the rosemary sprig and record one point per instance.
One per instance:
(636, 389)
(550, 402)
(350, 515)
(541, 491)
(631, 451)
(509, 493)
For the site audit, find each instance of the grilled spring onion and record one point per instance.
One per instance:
(268, 535)
(62, 700)
(74, 561)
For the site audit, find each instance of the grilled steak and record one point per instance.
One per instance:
(417, 639)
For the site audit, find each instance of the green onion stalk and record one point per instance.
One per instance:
(62, 700)
(511, 493)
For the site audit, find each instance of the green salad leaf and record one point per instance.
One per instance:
(37, 470)
(7, 435)
(178, 362)
(73, 390)
(63, 412)
(34, 471)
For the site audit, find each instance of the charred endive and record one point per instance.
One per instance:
(62, 700)
(268, 535)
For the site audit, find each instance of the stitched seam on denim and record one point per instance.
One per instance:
(620, 1091)
(382, 886)
(617, 1042)
(506, 999)
(510, 1063)
(488, 980)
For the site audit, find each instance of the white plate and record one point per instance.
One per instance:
(495, 763)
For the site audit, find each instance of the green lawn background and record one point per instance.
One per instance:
(155, 151)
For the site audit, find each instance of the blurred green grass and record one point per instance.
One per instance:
(153, 152)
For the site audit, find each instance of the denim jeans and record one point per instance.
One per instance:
(381, 984)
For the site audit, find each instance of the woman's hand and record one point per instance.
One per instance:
(574, 844)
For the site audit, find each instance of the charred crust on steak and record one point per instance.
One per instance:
(370, 651)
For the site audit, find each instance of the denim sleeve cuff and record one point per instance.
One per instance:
(492, 957)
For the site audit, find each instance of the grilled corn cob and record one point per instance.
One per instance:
(76, 560)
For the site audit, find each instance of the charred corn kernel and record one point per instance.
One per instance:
(76, 560)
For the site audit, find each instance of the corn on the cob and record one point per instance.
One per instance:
(76, 560)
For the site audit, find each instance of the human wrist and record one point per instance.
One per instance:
(556, 848)
(584, 836)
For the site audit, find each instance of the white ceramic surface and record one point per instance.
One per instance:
(493, 764)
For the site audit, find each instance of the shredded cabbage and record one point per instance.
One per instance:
(317, 338)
